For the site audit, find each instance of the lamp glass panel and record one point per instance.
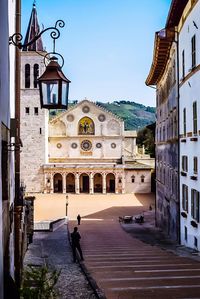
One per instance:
(65, 89)
(50, 92)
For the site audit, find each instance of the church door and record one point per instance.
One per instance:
(58, 188)
(112, 185)
(86, 184)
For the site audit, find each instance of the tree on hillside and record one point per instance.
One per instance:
(145, 137)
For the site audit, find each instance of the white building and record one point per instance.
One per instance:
(89, 151)
(7, 111)
(189, 114)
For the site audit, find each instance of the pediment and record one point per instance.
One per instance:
(87, 107)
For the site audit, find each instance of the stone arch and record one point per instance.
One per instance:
(58, 129)
(86, 126)
(57, 183)
(70, 183)
(110, 183)
(98, 183)
(113, 127)
(84, 183)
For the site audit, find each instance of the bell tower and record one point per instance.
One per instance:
(34, 120)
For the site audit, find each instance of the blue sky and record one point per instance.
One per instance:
(107, 44)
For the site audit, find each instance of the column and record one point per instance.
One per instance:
(116, 183)
(104, 183)
(64, 182)
(91, 183)
(52, 185)
(45, 182)
(77, 188)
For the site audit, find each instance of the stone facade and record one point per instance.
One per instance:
(89, 151)
(164, 74)
(34, 126)
(189, 115)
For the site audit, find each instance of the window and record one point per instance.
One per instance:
(185, 233)
(183, 64)
(185, 163)
(184, 121)
(195, 165)
(195, 242)
(142, 178)
(163, 133)
(133, 179)
(35, 74)
(193, 44)
(195, 118)
(27, 76)
(40, 131)
(36, 110)
(195, 204)
(27, 110)
(185, 197)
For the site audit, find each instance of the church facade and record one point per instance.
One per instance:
(89, 151)
(85, 149)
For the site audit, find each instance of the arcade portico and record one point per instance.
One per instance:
(84, 179)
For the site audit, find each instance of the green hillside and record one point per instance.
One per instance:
(135, 116)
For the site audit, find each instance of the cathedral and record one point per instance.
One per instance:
(82, 150)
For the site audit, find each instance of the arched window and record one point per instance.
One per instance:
(35, 74)
(142, 178)
(133, 179)
(86, 126)
(27, 75)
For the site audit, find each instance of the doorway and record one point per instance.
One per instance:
(58, 188)
(84, 183)
(110, 183)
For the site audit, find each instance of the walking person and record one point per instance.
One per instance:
(75, 237)
(79, 219)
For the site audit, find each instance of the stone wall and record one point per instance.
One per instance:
(34, 128)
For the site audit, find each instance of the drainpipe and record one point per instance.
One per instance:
(17, 203)
(178, 128)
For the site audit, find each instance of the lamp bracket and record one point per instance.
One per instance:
(16, 38)
(47, 57)
(13, 147)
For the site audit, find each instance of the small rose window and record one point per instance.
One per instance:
(86, 145)
(74, 145)
(59, 145)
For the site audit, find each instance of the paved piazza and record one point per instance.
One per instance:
(53, 206)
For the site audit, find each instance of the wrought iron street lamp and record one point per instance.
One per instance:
(53, 85)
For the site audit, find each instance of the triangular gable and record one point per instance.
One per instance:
(101, 109)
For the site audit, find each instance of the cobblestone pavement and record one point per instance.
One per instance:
(53, 248)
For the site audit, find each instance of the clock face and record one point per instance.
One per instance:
(86, 145)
